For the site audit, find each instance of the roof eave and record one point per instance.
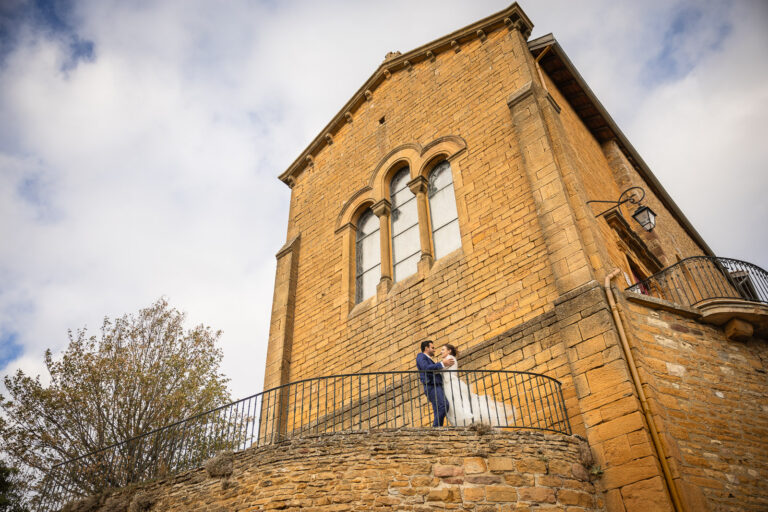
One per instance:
(633, 156)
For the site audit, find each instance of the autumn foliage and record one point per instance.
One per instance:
(142, 372)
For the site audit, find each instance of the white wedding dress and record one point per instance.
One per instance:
(466, 407)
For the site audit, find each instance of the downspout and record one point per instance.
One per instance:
(643, 401)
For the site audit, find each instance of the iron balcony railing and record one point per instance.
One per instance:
(699, 278)
(342, 403)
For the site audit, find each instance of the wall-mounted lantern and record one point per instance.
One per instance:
(643, 215)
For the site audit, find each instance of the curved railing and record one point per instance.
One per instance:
(699, 278)
(341, 403)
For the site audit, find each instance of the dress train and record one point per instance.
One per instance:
(466, 407)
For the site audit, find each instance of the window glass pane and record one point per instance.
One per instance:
(442, 209)
(447, 239)
(405, 226)
(407, 267)
(369, 250)
(366, 283)
(367, 224)
(367, 256)
(406, 244)
(399, 183)
(440, 177)
(405, 216)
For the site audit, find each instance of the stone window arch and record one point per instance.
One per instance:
(397, 194)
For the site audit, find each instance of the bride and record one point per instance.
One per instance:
(467, 407)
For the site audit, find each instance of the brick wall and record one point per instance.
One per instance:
(577, 343)
(521, 188)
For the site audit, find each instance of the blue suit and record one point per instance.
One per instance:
(433, 387)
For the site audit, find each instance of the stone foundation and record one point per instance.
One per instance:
(405, 469)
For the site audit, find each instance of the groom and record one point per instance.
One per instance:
(433, 382)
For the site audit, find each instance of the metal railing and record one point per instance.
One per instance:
(342, 403)
(698, 278)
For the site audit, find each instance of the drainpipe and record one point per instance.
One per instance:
(643, 401)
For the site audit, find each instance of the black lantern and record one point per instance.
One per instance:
(633, 195)
(645, 217)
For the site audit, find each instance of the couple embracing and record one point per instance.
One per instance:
(450, 396)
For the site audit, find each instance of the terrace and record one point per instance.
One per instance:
(324, 405)
(718, 291)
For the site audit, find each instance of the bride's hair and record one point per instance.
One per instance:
(452, 350)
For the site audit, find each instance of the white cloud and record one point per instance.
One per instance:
(151, 170)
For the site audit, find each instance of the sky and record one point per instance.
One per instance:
(140, 142)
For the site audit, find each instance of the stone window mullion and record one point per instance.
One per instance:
(382, 210)
(419, 187)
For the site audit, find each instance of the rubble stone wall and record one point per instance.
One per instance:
(707, 394)
(405, 469)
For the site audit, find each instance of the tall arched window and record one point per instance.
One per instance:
(442, 210)
(406, 248)
(368, 256)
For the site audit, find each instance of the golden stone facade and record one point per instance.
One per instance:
(529, 145)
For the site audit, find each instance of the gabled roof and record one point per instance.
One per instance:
(402, 62)
(594, 116)
(555, 62)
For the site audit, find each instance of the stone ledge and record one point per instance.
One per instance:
(288, 246)
(591, 285)
(665, 305)
(520, 94)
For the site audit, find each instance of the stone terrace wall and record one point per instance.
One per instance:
(708, 396)
(407, 469)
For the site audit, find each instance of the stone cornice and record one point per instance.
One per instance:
(511, 18)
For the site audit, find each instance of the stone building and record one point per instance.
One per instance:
(453, 197)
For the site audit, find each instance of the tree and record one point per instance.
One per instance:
(142, 373)
(11, 489)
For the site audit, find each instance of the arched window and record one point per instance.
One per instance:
(368, 256)
(406, 248)
(442, 210)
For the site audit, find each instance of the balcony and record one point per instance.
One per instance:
(724, 291)
(326, 405)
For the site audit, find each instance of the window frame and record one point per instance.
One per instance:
(411, 202)
(430, 168)
(359, 296)
(376, 194)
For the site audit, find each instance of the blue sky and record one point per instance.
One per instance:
(140, 141)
